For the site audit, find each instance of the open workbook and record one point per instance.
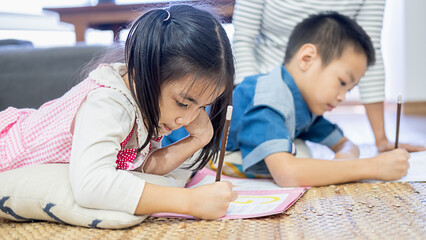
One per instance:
(256, 197)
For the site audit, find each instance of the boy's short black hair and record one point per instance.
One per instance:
(331, 33)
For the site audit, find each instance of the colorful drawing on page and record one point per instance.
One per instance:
(256, 197)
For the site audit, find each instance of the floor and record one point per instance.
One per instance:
(356, 127)
(341, 211)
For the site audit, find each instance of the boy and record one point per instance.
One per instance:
(327, 55)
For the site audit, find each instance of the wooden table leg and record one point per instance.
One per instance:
(80, 31)
(116, 29)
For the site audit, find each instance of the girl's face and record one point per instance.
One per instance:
(181, 101)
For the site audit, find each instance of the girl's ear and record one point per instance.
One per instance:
(306, 56)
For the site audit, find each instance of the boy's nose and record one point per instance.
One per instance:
(341, 97)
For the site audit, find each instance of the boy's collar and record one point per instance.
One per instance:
(303, 114)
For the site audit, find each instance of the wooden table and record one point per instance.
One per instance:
(115, 17)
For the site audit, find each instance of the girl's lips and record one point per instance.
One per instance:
(330, 107)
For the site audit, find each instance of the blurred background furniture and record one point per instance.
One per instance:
(31, 76)
(115, 17)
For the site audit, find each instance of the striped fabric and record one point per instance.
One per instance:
(262, 29)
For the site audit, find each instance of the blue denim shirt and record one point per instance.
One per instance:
(269, 112)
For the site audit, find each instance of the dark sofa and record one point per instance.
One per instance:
(31, 76)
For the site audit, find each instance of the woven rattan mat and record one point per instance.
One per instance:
(347, 211)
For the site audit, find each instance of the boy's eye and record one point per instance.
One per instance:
(181, 104)
(342, 83)
(203, 108)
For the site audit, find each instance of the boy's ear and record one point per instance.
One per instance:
(306, 56)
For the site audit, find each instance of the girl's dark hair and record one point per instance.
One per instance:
(190, 42)
(331, 33)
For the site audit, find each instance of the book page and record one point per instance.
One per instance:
(417, 160)
(417, 170)
(256, 197)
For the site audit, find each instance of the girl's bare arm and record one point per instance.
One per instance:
(209, 201)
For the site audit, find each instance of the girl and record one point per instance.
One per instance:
(178, 61)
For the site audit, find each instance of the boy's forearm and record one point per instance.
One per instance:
(291, 172)
(157, 198)
(345, 149)
(165, 160)
(325, 172)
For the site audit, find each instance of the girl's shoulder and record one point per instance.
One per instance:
(109, 76)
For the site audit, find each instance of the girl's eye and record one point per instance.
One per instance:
(203, 108)
(342, 83)
(181, 104)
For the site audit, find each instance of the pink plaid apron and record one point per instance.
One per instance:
(29, 136)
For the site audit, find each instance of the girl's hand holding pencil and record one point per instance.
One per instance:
(211, 201)
(224, 142)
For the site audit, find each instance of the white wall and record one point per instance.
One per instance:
(393, 41)
(415, 50)
(404, 49)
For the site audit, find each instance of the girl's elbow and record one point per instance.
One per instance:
(84, 196)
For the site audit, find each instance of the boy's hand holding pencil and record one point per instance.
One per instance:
(394, 164)
(389, 166)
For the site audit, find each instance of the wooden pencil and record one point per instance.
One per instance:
(398, 118)
(224, 141)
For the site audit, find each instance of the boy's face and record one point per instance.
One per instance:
(327, 86)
